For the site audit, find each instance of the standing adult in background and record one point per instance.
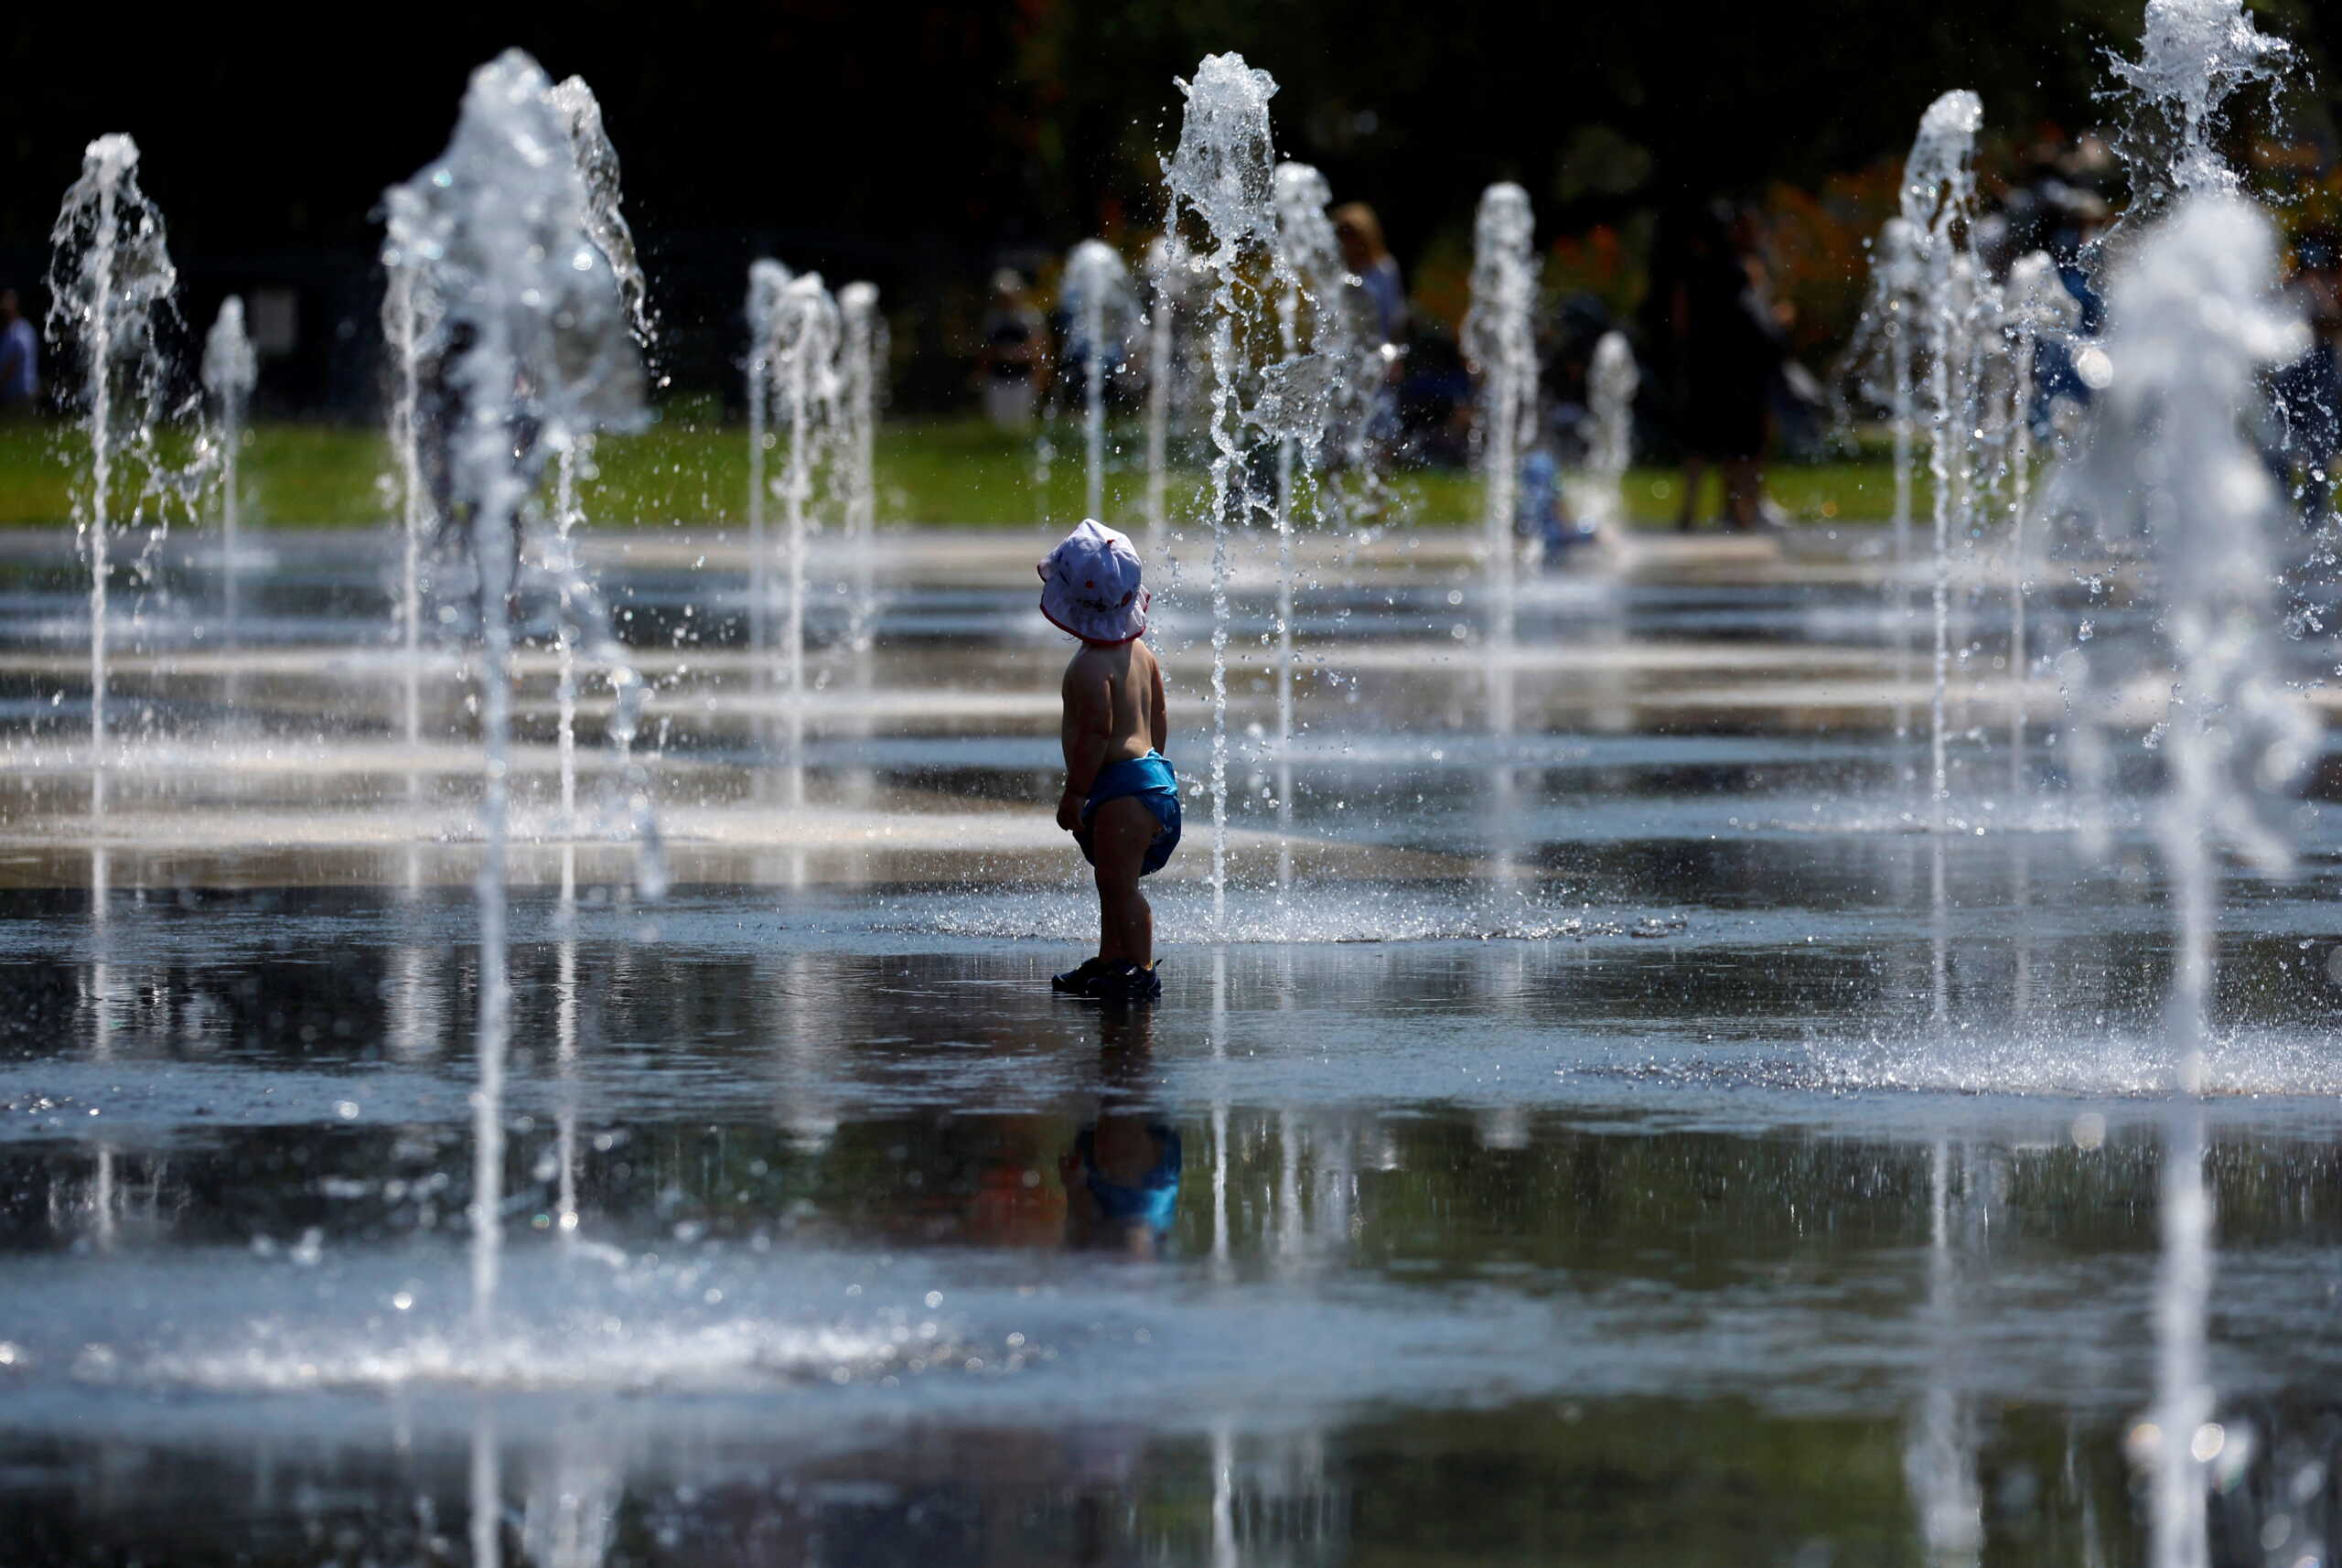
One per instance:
(1360, 234)
(1014, 364)
(2305, 445)
(19, 359)
(1710, 282)
(1384, 318)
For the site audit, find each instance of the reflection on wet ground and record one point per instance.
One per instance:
(1595, 1139)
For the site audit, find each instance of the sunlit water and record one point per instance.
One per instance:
(1568, 1163)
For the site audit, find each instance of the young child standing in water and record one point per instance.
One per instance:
(1121, 799)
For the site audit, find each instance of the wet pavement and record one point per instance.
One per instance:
(1591, 1135)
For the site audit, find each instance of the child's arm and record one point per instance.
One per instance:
(1089, 715)
(1158, 722)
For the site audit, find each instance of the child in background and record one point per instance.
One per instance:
(1121, 801)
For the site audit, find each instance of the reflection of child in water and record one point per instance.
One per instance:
(1121, 1184)
(1121, 1175)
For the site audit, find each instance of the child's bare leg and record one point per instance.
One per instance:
(1120, 834)
(1110, 923)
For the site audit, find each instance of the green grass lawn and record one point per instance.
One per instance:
(931, 473)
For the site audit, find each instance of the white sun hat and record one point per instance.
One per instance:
(1089, 585)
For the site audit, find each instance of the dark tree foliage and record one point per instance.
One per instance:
(917, 143)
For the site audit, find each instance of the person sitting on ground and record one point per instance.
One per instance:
(1121, 799)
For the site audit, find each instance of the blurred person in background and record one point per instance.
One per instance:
(1382, 314)
(1013, 366)
(2306, 394)
(1711, 290)
(1359, 233)
(1434, 400)
(19, 359)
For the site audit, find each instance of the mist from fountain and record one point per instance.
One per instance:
(231, 371)
(110, 286)
(536, 349)
(1103, 313)
(2191, 327)
(1220, 173)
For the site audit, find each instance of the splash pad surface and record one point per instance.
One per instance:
(1597, 1082)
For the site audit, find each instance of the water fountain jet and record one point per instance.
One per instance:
(1891, 322)
(111, 284)
(411, 321)
(2191, 327)
(1168, 271)
(767, 280)
(1308, 391)
(1220, 173)
(862, 352)
(798, 356)
(2194, 56)
(2040, 308)
(1612, 380)
(1097, 295)
(1939, 198)
(598, 171)
(536, 347)
(1500, 340)
(230, 369)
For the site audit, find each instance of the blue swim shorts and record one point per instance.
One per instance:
(1149, 780)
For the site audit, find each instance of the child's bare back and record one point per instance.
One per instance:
(1113, 696)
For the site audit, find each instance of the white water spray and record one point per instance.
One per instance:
(798, 357)
(411, 319)
(2191, 326)
(1499, 341)
(536, 349)
(230, 369)
(1097, 295)
(1939, 200)
(2194, 56)
(1308, 391)
(2040, 308)
(1894, 319)
(1612, 381)
(861, 355)
(1220, 173)
(605, 224)
(111, 283)
(767, 280)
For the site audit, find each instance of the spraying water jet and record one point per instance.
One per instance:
(1221, 174)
